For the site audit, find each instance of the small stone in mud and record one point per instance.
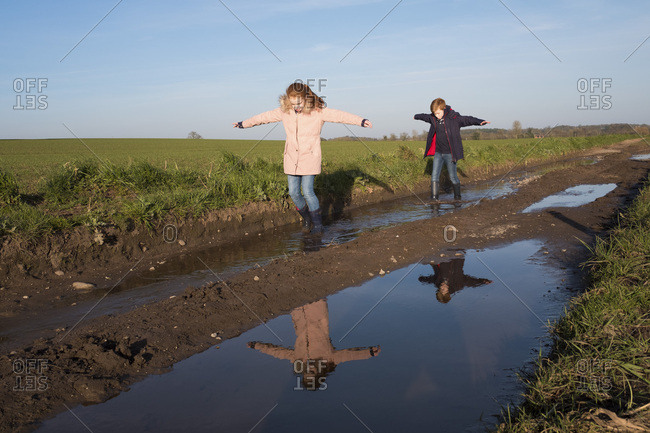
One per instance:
(78, 285)
(371, 274)
(59, 273)
(442, 255)
(382, 272)
(213, 335)
(99, 237)
(152, 268)
(459, 254)
(393, 259)
(256, 278)
(172, 297)
(25, 297)
(181, 243)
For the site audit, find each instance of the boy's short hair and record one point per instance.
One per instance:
(443, 297)
(438, 104)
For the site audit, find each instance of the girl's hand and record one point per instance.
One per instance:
(235, 125)
(367, 124)
(485, 122)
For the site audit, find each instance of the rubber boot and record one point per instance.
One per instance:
(435, 190)
(317, 220)
(456, 191)
(306, 219)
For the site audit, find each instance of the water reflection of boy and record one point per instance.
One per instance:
(449, 277)
(313, 354)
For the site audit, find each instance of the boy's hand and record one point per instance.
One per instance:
(485, 122)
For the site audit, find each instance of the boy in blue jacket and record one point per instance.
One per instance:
(444, 142)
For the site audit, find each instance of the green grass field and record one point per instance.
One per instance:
(32, 160)
(49, 185)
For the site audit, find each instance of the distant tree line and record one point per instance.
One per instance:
(518, 132)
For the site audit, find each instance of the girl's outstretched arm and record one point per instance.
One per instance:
(338, 116)
(266, 117)
(273, 350)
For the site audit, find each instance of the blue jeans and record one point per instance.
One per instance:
(438, 159)
(307, 197)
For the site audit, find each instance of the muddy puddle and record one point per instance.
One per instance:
(645, 157)
(434, 345)
(173, 275)
(572, 197)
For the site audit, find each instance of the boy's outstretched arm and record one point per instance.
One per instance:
(471, 121)
(423, 116)
(266, 117)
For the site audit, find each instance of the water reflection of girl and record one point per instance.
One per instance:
(313, 354)
(449, 278)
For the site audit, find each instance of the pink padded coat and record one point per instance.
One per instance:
(311, 323)
(302, 150)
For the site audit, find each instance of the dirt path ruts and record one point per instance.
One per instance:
(102, 356)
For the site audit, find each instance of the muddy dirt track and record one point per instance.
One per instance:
(101, 357)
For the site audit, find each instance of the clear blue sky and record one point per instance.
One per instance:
(163, 68)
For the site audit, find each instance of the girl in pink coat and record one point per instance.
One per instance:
(303, 113)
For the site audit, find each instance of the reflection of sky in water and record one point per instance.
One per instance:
(447, 365)
(572, 197)
(225, 260)
(645, 157)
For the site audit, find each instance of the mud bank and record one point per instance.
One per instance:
(39, 275)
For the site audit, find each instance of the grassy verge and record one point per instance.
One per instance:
(600, 363)
(124, 181)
